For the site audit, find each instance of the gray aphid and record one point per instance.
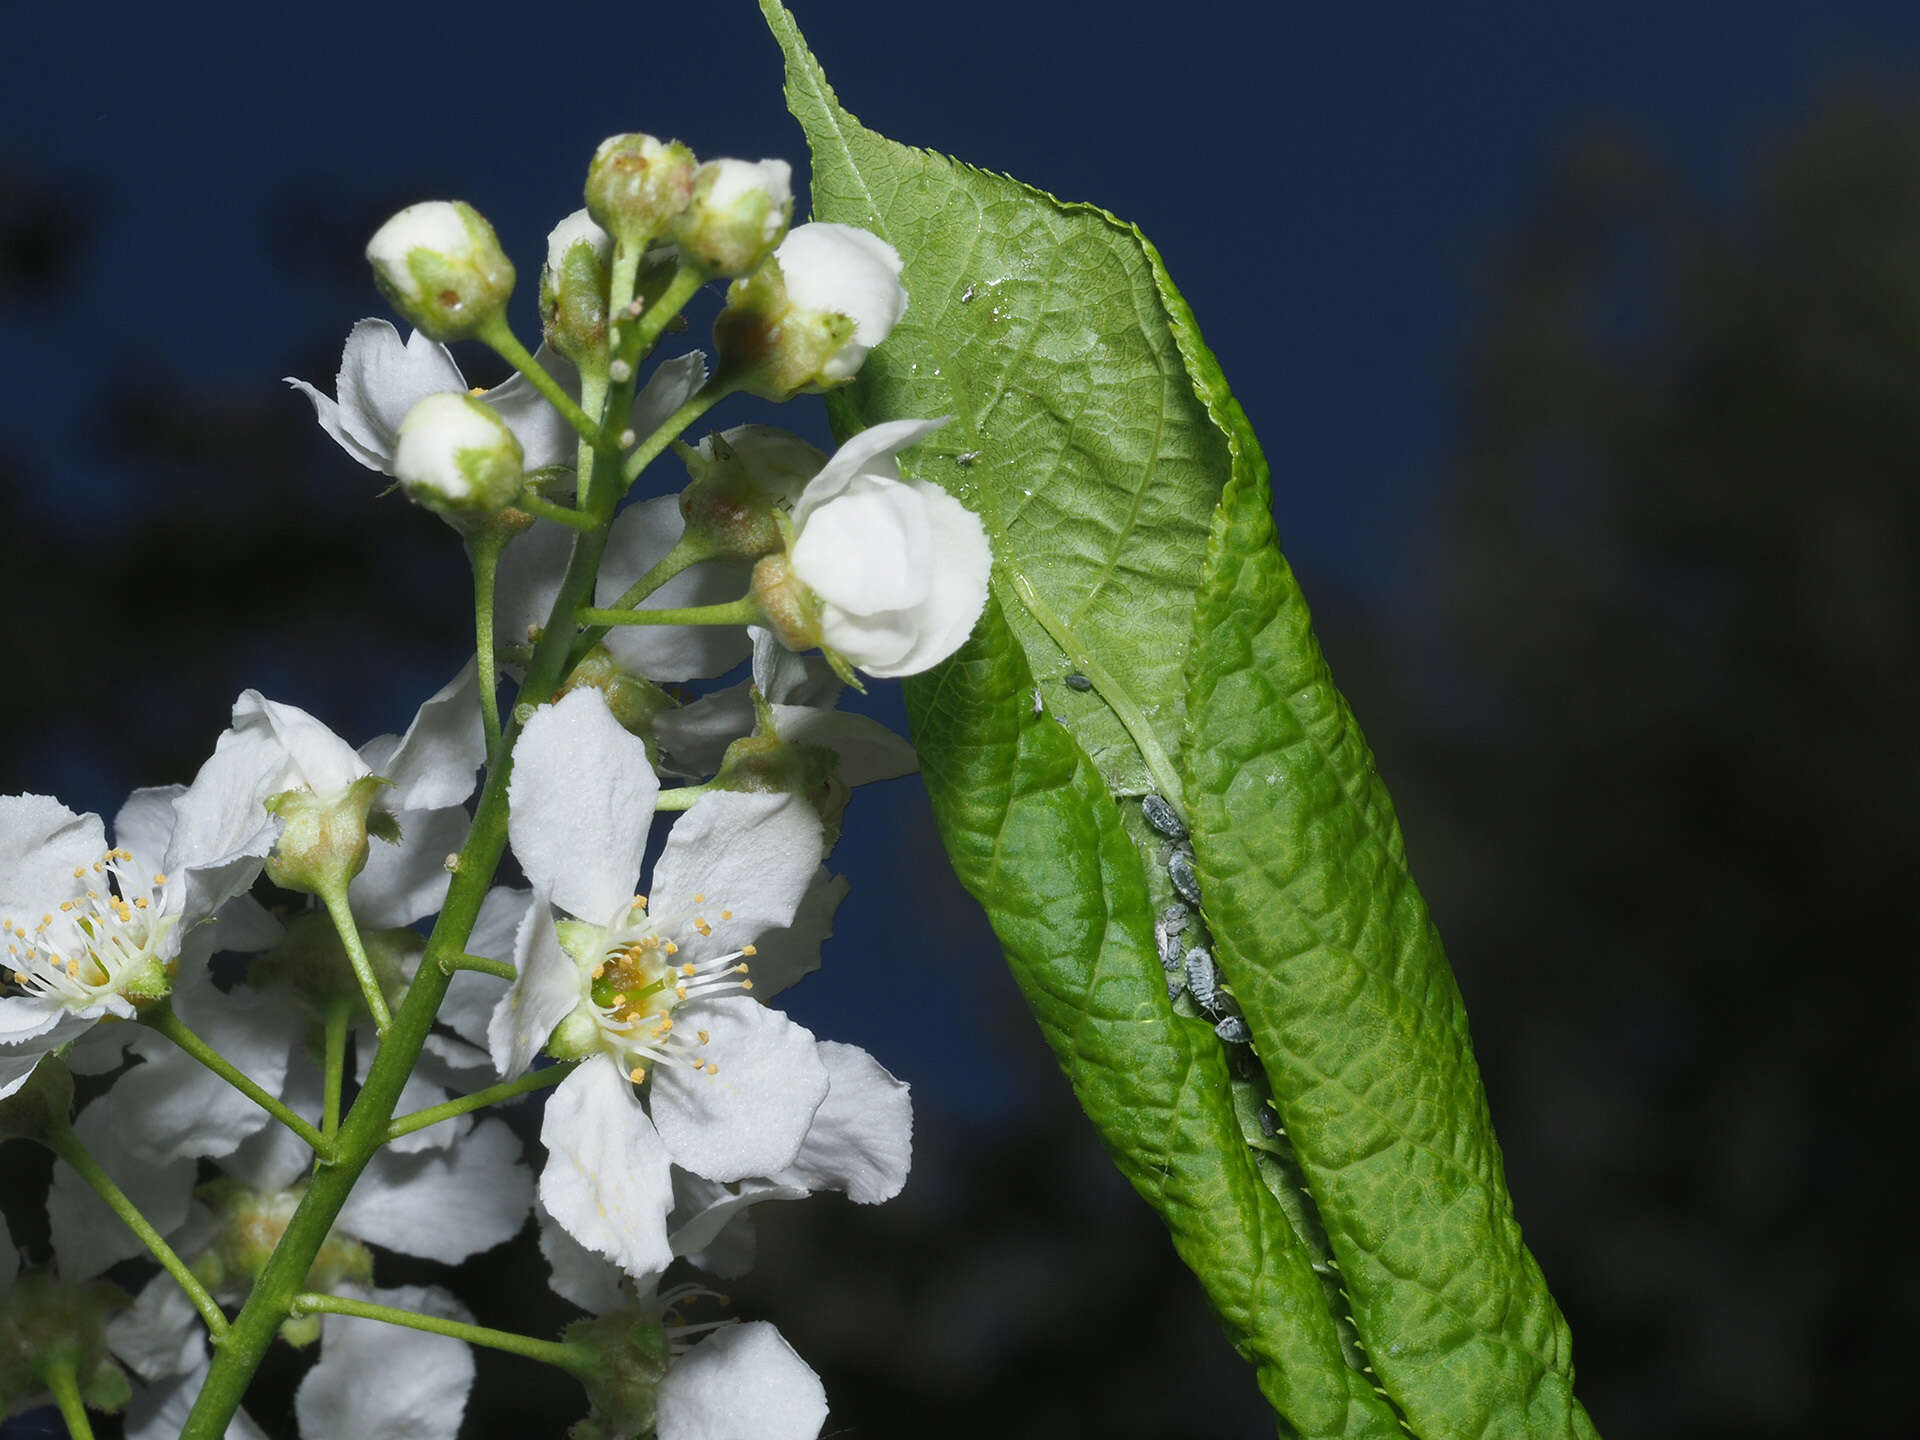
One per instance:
(1173, 987)
(1233, 1030)
(1077, 681)
(1203, 978)
(1161, 817)
(1168, 927)
(1180, 871)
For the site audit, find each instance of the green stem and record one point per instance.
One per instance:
(499, 337)
(550, 1352)
(682, 798)
(64, 1143)
(638, 337)
(717, 388)
(484, 550)
(480, 1099)
(687, 550)
(547, 510)
(161, 1019)
(339, 1017)
(65, 1385)
(744, 611)
(364, 1130)
(502, 968)
(349, 930)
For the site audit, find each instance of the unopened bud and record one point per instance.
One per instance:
(743, 481)
(738, 213)
(633, 700)
(805, 320)
(323, 844)
(47, 1323)
(573, 288)
(458, 458)
(792, 610)
(439, 264)
(620, 1359)
(636, 185)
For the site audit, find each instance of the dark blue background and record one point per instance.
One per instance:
(1327, 187)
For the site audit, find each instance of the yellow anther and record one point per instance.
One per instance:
(680, 992)
(726, 914)
(73, 969)
(640, 901)
(746, 984)
(619, 999)
(688, 969)
(158, 878)
(699, 899)
(704, 1036)
(19, 977)
(79, 872)
(141, 903)
(66, 904)
(100, 865)
(712, 1069)
(599, 970)
(637, 1074)
(671, 948)
(749, 950)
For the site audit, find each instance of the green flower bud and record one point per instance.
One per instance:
(792, 610)
(573, 289)
(744, 480)
(458, 458)
(636, 185)
(47, 1325)
(806, 319)
(620, 1359)
(323, 844)
(737, 215)
(251, 1224)
(440, 265)
(633, 700)
(765, 762)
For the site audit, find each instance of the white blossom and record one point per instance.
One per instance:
(840, 270)
(899, 566)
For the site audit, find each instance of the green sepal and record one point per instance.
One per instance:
(46, 1322)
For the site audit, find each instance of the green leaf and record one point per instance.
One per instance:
(1329, 948)
(1035, 835)
(1052, 335)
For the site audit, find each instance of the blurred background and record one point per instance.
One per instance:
(1585, 345)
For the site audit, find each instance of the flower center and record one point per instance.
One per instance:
(643, 975)
(106, 937)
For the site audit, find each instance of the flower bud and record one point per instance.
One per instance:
(620, 1359)
(636, 185)
(251, 1223)
(743, 480)
(457, 457)
(792, 610)
(738, 213)
(767, 763)
(323, 844)
(806, 319)
(46, 1323)
(632, 700)
(573, 289)
(439, 264)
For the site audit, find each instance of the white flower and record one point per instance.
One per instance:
(89, 928)
(899, 566)
(742, 1380)
(377, 1381)
(456, 454)
(571, 231)
(382, 379)
(839, 270)
(651, 991)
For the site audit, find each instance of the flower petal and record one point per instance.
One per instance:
(144, 825)
(959, 589)
(789, 679)
(694, 738)
(740, 1381)
(159, 1334)
(752, 855)
(317, 758)
(579, 1275)
(160, 1411)
(472, 996)
(782, 956)
(274, 1158)
(545, 990)
(528, 580)
(606, 1179)
(582, 797)
(867, 749)
(402, 882)
(443, 747)
(868, 549)
(871, 452)
(671, 385)
(750, 1117)
(861, 1139)
(381, 379)
(42, 843)
(445, 1204)
(383, 1382)
(546, 439)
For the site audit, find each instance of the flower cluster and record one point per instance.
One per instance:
(288, 986)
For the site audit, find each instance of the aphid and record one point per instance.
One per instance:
(1039, 702)
(1168, 927)
(1233, 1030)
(967, 457)
(1180, 872)
(966, 295)
(1077, 681)
(1160, 815)
(1173, 987)
(1269, 1121)
(1203, 978)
